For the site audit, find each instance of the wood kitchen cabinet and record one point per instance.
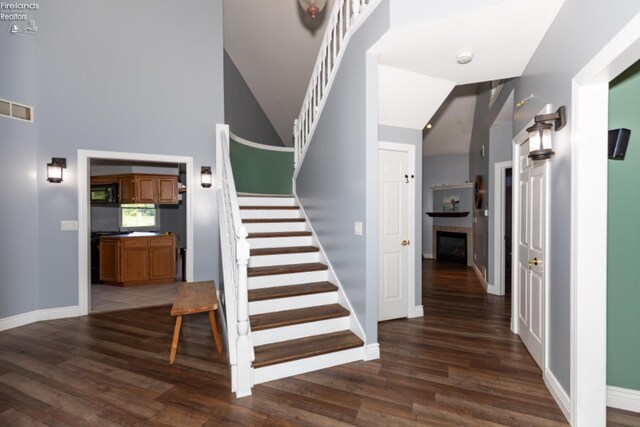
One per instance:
(137, 259)
(143, 188)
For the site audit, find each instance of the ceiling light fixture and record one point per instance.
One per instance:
(429, 125)
(464, 57)
(312, 7)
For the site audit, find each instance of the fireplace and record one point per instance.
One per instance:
(451, 246)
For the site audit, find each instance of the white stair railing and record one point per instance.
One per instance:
(341, 25)
(235, 258)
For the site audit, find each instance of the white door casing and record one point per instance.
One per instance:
(396, 249)
(531, 236)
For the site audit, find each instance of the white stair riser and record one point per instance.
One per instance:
(275, 227)
(270, 213)
(310, 364)
(294, 332)
(292, 303)
(268, 260)
(266, 201)
(287, 279)
(279, 242)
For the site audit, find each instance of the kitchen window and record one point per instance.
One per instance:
(139, 216)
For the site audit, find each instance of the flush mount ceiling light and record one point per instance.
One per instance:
(429, 125)
(464, 58)
(312, 7)
(540, 140)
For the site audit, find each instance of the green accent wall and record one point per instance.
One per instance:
(261, 171)
(623, 276)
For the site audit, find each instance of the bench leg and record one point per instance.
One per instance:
(176, 337)
(214, 329)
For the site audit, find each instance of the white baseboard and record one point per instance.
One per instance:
(427, 256)
(484, 283)
(623, 398)
(372, 352)
(417, 311)
(561, 397)
(38, 315)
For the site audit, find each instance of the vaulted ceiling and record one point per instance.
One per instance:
(274, 45)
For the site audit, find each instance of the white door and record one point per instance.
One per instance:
(531, 243)
(393, 227)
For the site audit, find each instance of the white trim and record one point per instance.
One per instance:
(480, 277)
(451, 186)
(362, 18)
(342, 296)
(372, 351)
(258, 145)
(589, 181)
(559, 395)
(410, 149)
(38, 315)
(84, 220)
(417, 311)
(499, 176)
(623, 398)
(427, 255)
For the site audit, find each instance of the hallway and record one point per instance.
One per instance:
(459, 365)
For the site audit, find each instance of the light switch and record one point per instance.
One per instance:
(357, 228)
(69, 225)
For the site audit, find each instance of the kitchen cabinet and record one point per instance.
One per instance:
(138, 258)
(143, 188)
(167, 190)
(127, 189)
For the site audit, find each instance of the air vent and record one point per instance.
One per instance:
(16, 111)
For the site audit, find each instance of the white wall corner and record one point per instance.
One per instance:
(561, 397)
(484, 283)
(427, 255)
(372, 351)
(417, 311)
(623, 398)
(38, 315)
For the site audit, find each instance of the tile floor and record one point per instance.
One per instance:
(111, 298)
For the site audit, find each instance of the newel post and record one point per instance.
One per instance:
(296, 143)
(244, 348)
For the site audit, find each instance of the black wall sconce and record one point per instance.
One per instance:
(206, 178)
(54, 169)
(540, 140)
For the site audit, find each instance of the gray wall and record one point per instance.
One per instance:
(413, 137)
(18, 194)
(148, 89)
(580, 30)
(483, 119)
(332, 183)
(245, 116)
(437, 170)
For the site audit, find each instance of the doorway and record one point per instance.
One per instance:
(155, 254)
(396, 228)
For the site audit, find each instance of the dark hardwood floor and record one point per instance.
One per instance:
(459, 365)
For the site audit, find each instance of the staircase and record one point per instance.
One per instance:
(299, 319)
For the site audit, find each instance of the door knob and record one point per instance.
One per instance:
(533, 262)
(405, 243)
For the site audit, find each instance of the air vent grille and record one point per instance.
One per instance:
(16, 111)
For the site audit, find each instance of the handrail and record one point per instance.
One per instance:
(260, 145)
(341, 25)
(235, 257)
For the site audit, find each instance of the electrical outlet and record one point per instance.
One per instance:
(68, 225)
(357, 228)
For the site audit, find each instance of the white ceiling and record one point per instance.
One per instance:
(502, 35)
(452, 123)
(274, 45)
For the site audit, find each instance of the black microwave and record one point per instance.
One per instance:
(104, 193)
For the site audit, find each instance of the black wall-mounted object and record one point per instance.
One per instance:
(618, 141)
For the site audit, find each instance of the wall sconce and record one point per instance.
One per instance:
(312, 7)
(206, 178)
(54, 169)
(540, 140)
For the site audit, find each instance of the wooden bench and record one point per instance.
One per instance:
(192, 298)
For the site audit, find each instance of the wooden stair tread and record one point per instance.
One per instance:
(284, 251)
(291, 291)
(271, 220)
(297, 316)
(285, 269)
(291, 208)
(287, 351)
(279, 234)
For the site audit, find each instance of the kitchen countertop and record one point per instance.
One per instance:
(138, 234)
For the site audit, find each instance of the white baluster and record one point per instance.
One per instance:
(245, 350)
(356, 11)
